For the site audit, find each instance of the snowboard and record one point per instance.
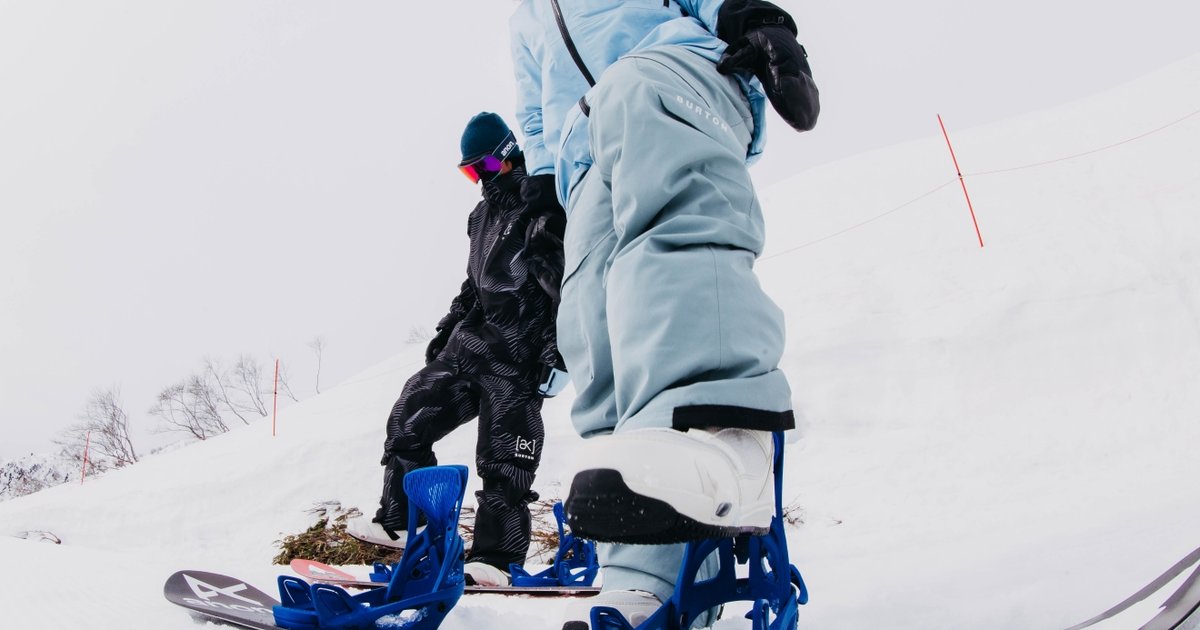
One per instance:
(233, 601)
(221, 597)
(1181, 611)
(321, 572)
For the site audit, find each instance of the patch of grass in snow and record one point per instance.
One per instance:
(326, 540)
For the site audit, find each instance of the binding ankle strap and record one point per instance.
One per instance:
(731, 417)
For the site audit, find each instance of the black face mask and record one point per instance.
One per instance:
(508, 182)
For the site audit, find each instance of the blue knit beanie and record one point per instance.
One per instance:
(484, 134)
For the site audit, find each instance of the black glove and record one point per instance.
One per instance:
(439, 342)
(544, 237)
(762, 41)
(539, 194)
(544, 253)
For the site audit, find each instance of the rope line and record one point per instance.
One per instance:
(980, 174)
(1097, 150)
(858, 225)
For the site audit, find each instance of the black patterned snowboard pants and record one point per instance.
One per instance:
(444, 395)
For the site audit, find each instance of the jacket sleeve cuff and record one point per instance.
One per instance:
(738, 17)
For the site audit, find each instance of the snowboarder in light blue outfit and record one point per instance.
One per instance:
(640, 117)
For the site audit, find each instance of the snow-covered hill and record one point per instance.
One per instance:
(32, 473)
(1001, 437)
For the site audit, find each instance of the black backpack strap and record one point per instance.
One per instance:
(562, 28)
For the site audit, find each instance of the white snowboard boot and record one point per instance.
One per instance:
(657, 486)
(485, 574)
(368, 531)
(636, 606)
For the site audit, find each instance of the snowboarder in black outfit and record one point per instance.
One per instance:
(495, 356)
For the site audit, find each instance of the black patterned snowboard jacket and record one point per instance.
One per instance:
(506, 308)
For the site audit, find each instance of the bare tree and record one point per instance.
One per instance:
(192, 406)
(217, 375)
(318, 348)
(105, 425)
(283, 382)
(247, 378)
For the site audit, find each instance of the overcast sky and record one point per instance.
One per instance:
(181, 179)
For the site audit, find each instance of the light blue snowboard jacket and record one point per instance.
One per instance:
(549, 84)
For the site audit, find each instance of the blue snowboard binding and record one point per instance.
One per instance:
(422, 587)
(575, 563)
(773, 584)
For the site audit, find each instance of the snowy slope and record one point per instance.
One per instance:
(1006, 434)
(989, 438)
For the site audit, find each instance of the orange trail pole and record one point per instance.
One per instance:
(275, 411)
(86, 445)
(960, 179)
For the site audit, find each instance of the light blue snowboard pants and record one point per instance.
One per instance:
(661, 309)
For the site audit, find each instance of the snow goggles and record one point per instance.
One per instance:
(488, 166)
(485, 168)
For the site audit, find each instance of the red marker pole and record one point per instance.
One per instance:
(275, 411)
(86, 446)
(960, 179)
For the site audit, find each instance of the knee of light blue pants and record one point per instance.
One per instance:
(725, 351)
